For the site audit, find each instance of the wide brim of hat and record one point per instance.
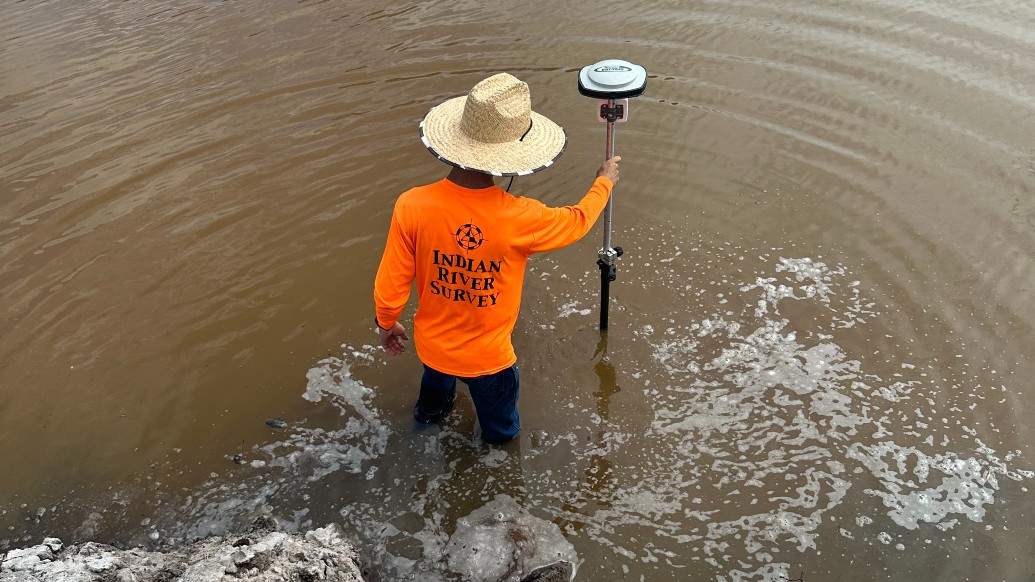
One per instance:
(441, 134)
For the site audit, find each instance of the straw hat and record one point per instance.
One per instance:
(493, 129)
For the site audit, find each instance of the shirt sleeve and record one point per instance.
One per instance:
(395, 274)
(553, 228)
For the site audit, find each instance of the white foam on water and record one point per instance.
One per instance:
(571, 308)
(776, 415)
(307, 454)
(767, 431)
(955, 485)
(352, 447)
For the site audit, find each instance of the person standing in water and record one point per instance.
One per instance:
(467, 241)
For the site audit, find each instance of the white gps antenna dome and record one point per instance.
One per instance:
(612, 79)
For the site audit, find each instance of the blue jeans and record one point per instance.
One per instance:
(495, 399)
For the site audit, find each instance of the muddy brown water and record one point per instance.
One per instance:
(822, 334)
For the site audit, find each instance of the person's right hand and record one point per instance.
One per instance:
(609, 169)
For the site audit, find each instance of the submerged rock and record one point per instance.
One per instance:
(277, 423)
(556, 572)
(263, 556)
(502, 542)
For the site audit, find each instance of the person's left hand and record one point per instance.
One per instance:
(392, 339)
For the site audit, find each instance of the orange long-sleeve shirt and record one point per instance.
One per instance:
(467, 249)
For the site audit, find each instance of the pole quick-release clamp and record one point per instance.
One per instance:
(612, 112)
(607, 259)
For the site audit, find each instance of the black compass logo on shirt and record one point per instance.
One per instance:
(469, 237)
